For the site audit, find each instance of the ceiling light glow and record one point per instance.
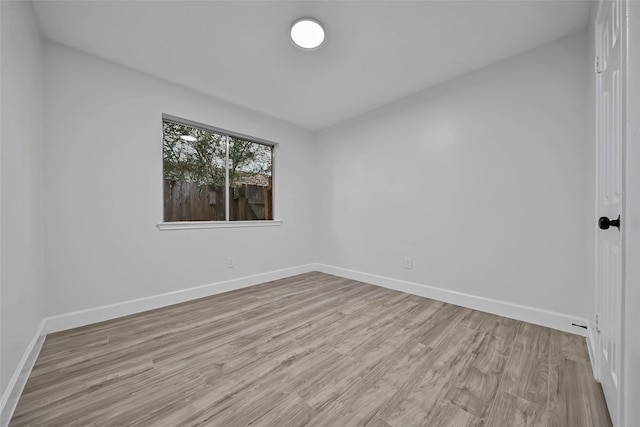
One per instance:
(307, 33)
(188, 138)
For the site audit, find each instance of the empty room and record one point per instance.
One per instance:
(319, 213)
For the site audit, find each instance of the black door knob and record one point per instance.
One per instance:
(604, 223)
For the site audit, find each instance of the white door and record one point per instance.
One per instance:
(609, 172)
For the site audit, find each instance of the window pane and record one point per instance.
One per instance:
(194, 173)
(250, 180)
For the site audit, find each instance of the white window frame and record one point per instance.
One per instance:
(194, 225)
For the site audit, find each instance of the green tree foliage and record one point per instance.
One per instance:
(201, 157)
(248, 158)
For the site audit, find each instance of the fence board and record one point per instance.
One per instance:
(186, 201)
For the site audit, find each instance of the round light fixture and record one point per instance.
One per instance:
(188, 138)
(307, 33)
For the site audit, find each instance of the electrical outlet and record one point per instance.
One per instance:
(408, 263)
(230, 262)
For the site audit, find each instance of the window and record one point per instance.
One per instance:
(213, 175)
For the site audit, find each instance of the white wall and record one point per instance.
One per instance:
(103, 170)
(484, 181)
(22, 203)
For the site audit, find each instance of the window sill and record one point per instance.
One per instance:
(193, 225)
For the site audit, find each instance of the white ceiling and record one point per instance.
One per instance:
(375, 52)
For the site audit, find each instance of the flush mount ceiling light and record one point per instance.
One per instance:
(188, 138)
(307, 33)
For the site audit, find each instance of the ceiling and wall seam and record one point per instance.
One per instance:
(376, 53)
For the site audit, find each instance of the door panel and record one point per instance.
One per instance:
(609, 171)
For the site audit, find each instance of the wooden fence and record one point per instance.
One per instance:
(186, 201)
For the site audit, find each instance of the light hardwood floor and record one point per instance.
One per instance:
(312, 350)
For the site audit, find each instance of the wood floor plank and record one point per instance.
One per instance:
(474, 391)
(527, 371)
(358, 403)
(575, 399)
(316, 350)
(512, 411)
(569, 346)
(377, 422)
(292, 411)
(491, 324)
(415, 402)
(447, 414)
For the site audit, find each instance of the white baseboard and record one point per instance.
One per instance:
(524, 313)
(591, 347)
(19, 379)
(107, 312)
